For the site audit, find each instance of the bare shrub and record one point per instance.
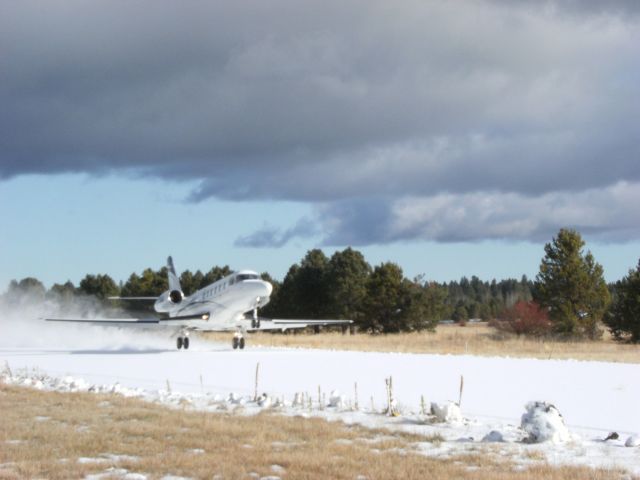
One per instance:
(524, 318)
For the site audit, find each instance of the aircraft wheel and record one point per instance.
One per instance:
(185, 343)
(253, 323)
(179, 343)
(241, 343)
(235, 343)
(258, 323)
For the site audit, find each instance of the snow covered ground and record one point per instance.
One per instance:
(594, 398)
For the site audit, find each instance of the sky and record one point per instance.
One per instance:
(453, 138)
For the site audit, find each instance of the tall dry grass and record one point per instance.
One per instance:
(47, 435)
(472, 339)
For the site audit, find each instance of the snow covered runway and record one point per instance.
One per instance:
(595, 398)
(593, 395)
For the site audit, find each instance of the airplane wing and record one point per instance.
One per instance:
(290, 324)
(105, 321)
(126, 321)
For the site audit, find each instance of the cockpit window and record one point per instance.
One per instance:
(246, 276)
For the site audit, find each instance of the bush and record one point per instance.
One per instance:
(525, 318)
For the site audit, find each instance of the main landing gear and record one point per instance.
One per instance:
(183, 340)
(238, 340)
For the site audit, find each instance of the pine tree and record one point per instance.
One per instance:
(346, 278)
(623, 318)
(571, 285)
(384, 301)
(101, 286)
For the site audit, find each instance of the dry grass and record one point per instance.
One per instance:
(42, 435)
(473, 339)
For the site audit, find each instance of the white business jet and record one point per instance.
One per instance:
(230, 304)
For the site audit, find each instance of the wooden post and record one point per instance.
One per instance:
(391, 410)
(255, 391)
(355, 387)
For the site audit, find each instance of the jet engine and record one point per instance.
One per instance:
(175, 296)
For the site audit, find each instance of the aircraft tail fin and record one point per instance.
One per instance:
(174, 282)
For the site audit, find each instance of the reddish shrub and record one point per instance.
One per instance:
(525, 318)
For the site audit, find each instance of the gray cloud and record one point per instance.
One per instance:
(273, 237)
(351, 105)
(605, 214)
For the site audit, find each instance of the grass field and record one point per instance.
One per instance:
(63, 435)
(473, 339)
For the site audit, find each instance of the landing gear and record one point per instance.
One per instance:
(255, 321)
(183, 340)
(238, 340)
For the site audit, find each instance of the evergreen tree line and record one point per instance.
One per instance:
(569, 296)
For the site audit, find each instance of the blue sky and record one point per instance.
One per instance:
(62, 227)
(454, 138)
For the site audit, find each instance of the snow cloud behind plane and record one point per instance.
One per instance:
(446, 121)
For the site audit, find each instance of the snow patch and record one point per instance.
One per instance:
(108, 458)
(108, 474)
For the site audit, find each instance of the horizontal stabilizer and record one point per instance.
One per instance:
(310, 322)
(290, 324)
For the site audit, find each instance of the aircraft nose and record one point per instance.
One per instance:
(268, 288)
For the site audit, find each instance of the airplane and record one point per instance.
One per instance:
(229, 304)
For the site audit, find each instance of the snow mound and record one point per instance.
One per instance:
(298, 400)
(448, 412)
(493, 436)
(265, 401)
(337, 400)
(236, 399)
(544, 423)
(633, 441)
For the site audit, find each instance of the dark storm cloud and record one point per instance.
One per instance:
(340, 104)
(579, 7)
